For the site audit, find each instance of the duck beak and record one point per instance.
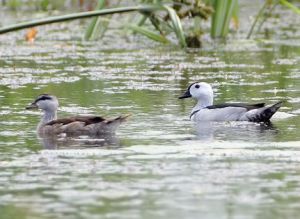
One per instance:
(187, 94)
(32, 106)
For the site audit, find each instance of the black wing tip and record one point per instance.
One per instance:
(267, 113)
(242, 105)
(258, 105)
(281, 102)
(278, 104)
(119, 119)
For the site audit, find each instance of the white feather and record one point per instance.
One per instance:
(203, 93)
(220, 114)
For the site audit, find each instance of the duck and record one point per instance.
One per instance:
(205, 110)
(72, 126)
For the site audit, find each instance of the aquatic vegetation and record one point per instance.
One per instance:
(157, 20)
(164, 24)
(97, 26)
(224, 12)
(266, 11)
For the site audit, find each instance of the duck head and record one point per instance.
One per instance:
(200, 91)
(44, 102)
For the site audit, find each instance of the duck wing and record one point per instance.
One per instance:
(83, 125)
(224, 112)
(241, 112)
(87, 120)
(242, 105)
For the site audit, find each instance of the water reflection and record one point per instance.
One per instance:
(211, 131)
(229, 171)
(61, 142)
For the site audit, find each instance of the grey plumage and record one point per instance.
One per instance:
(206, 111)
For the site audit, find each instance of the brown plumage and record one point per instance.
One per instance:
(87, 120)
(76, 125)
(83, 125)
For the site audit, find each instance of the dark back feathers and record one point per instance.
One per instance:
(86, 119)
(246, 106)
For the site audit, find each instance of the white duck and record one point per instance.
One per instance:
(206, 111)
(77, 125)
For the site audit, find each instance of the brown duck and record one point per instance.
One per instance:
(77, 125)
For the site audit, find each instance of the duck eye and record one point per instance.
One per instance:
(197, 86)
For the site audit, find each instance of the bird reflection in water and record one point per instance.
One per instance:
(79, 142)
(244, 131)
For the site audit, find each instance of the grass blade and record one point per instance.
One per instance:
(230, 6)
(290, 6)
(258, 16)
(148, 33)
(79, 15)
(91, 30)
(224, 11)
(176, 23)
(235, 16)
(217, 18)
(267, 14)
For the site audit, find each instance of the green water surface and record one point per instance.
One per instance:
(160, 164)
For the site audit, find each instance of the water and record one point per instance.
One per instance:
(160, 164)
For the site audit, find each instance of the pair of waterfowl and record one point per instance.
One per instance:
(203, 111)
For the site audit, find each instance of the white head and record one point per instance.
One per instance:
(45, 102)
(201, 91)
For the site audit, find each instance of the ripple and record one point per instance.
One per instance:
(11, 133)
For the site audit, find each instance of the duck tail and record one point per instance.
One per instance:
(267, 112)
(113, 124)
(119, 119)
(122, 119)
